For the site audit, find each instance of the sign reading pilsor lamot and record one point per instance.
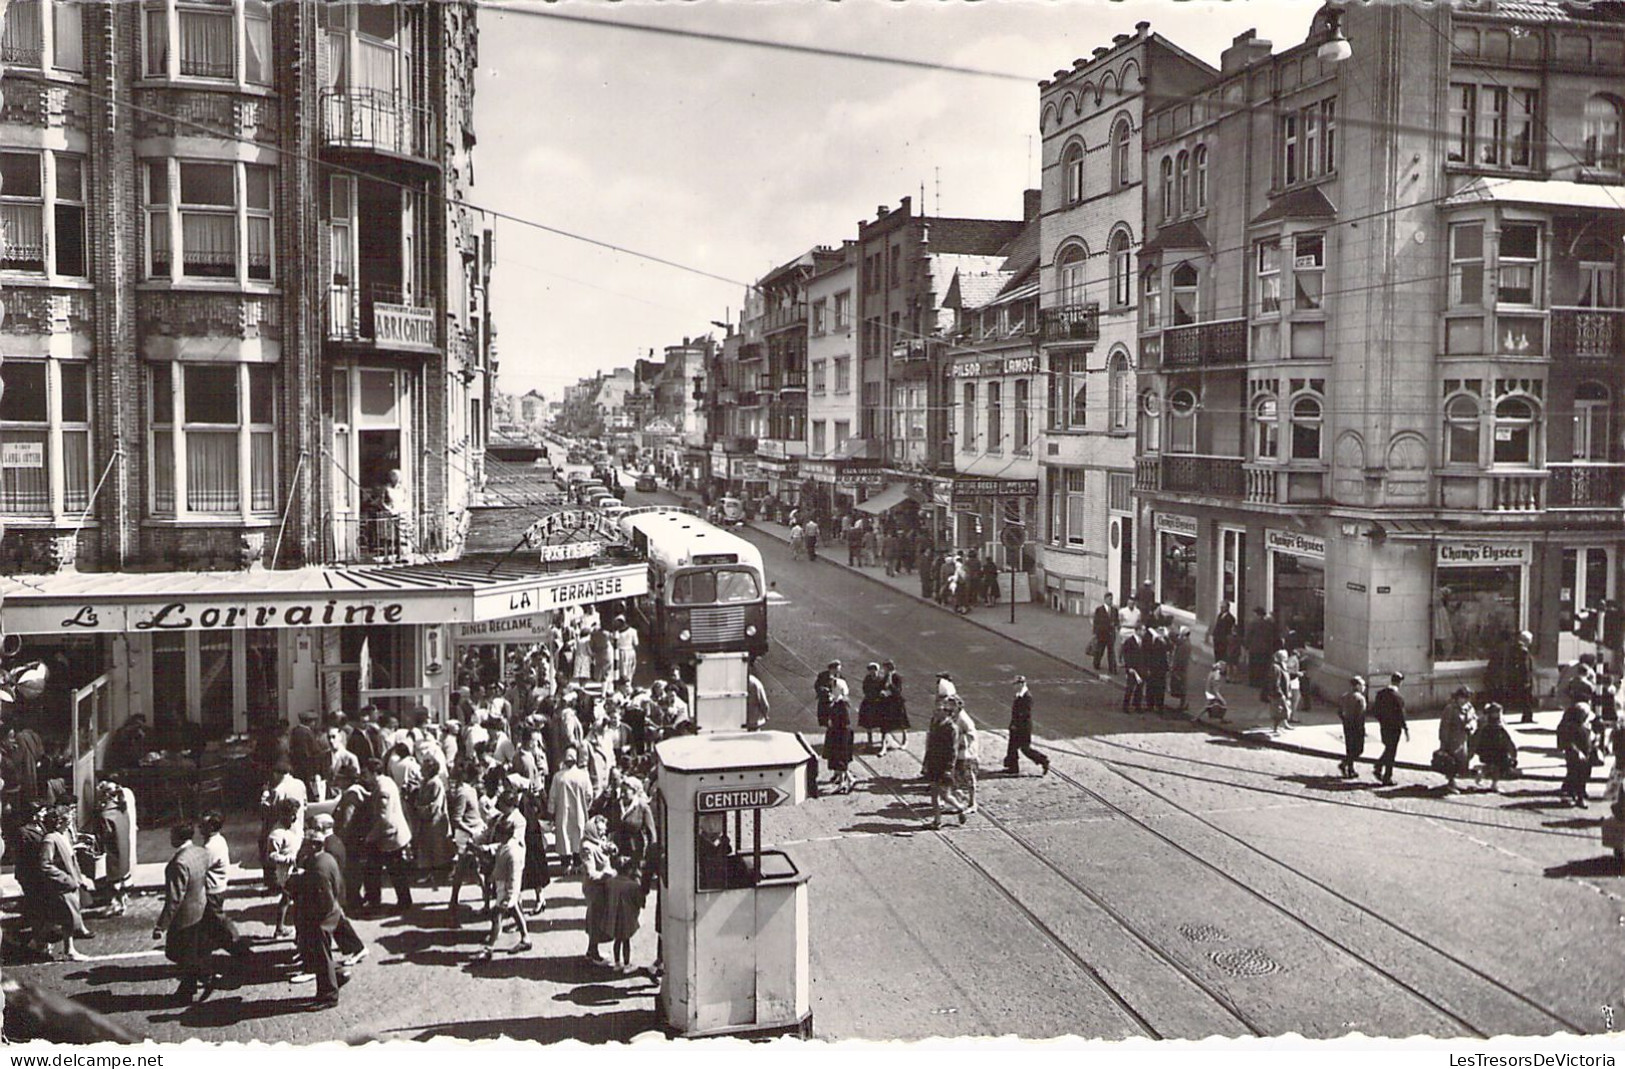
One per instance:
(1483, 553)
(401, 326)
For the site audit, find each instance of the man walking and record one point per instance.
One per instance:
(1157, 653)
(1520, 678)
(1351, 709)
(387, 841)
(180, 925)
(824, 690)
(317, 889)
(810, 534)
(1389, 709)
(1263, 638)
(1105, 634)
(1021, 733)
(1133, 670)
(854, 544)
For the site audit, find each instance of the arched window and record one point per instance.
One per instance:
(1600, 147)
(1462, 431)
(1266, 429)
(1070, 272)
(1122, 136)
(1516, 422)
(1121, 387)
(1201, 177)
(1182, 421)
(1149, 424)
(1306, 428)
(1591, 422)
(1072, 170)
(1183, 283)
(1169, 208)
(1187, 202)
(1122, 271)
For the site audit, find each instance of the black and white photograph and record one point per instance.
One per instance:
(830, 523)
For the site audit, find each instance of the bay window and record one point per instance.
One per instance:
(1269, 277)
(212, 40)
(1151, 300)
(44, 35)
(1518, 264)
(42, 213)
(1467, 264)
(1308, 270)
(45, 439)
(213, 439)
(218, 213)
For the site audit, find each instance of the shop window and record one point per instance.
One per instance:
(1266, 429)
(1299, 598)
(1182, 405)
(1462, 430)
(1176, 570)
(1516, 423)
(1474, 609)
(1600, 147)
(1072, 168)
(1306, 429)
(1591, 422)
(1183, 281)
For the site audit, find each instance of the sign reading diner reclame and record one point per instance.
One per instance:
(229, 610)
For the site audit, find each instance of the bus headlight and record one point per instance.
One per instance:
(750, 629)
(683, 636)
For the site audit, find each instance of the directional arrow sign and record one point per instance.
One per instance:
(722, 799)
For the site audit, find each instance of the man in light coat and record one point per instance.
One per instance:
(570, 797)
(180, 925)
(387, 840)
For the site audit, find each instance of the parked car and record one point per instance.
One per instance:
(732, 511)
(646, 484)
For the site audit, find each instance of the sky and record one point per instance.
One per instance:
(732, 159)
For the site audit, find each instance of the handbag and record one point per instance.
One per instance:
(1444, 763)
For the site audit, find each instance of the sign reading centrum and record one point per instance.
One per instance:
(723, 799)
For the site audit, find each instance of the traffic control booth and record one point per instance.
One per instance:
(733, 915)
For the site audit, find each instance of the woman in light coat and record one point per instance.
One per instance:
(1456, 725)
(569, 800)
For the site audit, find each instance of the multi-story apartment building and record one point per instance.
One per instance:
(1091, 122)
(1381, 336)
(246, 344)
(841, 466)
(783, 382)
(997, 396)
(905, 263)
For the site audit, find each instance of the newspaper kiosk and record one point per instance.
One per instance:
(733, 915)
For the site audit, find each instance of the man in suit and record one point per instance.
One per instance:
(317, 889)
(1105, 634)
(180, 924)
(386, 841)
(1021, 732)
(1134, 670)
(1157, 652)
(310, 756)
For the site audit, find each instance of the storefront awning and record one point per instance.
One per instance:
(1579, 195)
(78, 603)
(890, 496)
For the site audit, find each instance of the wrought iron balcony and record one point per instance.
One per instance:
(1074, 322)
(1191, 473)
(1588, 334)
(381, 539)
(378, 120)
(1212, 344)
(382, 315)
(1585, 486)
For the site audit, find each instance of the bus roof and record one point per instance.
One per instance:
(673, 538)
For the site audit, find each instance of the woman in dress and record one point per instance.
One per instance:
(432, 836)
(597, 870)
(632, 830)
(838, 738)
(870, 716)
(282, 851)
(1456, 725)
(60, 881)
(506, 870)
(1497, 753)
(893, 710)
(117, 840)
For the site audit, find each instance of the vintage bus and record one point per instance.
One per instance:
(707, 592)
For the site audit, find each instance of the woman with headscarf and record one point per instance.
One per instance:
(1497, 753)
(1578, 748)
(838, 738)
(871, 708)
(570, 798)
(597, 870)
(893, 709)
(631, 829)
(1456, 725)
(113, 832)
(432, 835)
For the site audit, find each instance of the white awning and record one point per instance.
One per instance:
(889, 498)
(1581, 195)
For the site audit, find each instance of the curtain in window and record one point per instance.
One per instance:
(338, 61)
(68, 26)
(22, 237)
(163, 469)
(75, 470)
(22, 40)
(206, 44)
(26, 491)
(262, 473)
(211, 471)
(158, 244)
(157, 44)
(259, 248)
(257, 45)
(210, 245)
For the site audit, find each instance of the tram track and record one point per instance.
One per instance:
(1144, 939)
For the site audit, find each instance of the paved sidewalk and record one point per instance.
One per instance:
(1318, 733)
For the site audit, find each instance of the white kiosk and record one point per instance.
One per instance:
(733, 916)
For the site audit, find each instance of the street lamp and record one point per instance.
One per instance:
(1336, 48)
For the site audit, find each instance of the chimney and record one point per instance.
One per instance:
(1031, 202)
(882, 211)
(1245, 50)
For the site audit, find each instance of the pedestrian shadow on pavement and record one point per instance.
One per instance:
(1552, 801)
(596, 995)
(1597, 865)
(1333, 783)
(1584, 823)
(610, 1027)
(226, 1011)
(570, 969)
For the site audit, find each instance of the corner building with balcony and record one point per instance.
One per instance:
(1091, 119)
(1380, 338)
(241, 291)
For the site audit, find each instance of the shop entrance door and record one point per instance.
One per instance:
(1588, 576)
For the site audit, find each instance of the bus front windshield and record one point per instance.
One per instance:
(719, 586)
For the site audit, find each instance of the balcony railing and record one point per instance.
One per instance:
(1585, 486)
(1515, 492)
(353, 315)
(1222, 341)
(780, 318)
(1263, 485)
(1076, 322)
(1194, 473)
(1147, 473)
(750, 351)
(379, 539)
(380, 121)
(790, 380)
(1588, 333)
